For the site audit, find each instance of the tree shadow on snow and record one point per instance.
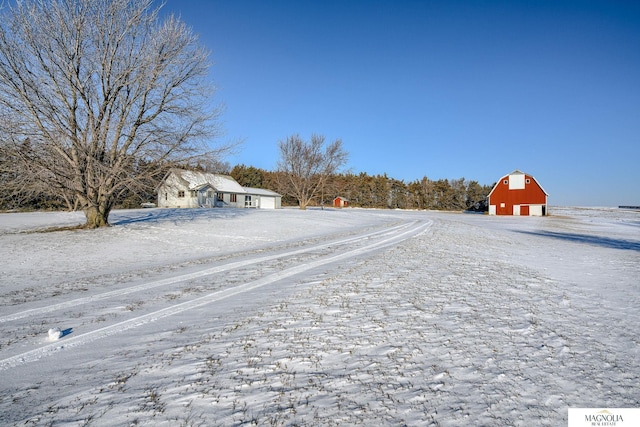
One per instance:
(605, 242)
(173, 215)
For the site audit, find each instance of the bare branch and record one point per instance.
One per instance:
(305, 166)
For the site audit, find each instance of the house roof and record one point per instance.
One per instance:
(196, 180)
(260, 191)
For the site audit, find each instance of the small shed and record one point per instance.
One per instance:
(340, 202)
(517, 194)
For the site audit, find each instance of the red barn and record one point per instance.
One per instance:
(517, 194)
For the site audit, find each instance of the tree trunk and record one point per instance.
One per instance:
(97, 216)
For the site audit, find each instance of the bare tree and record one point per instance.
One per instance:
(304, 167)
(104, 94)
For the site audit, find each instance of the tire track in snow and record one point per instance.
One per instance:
(190, 276)
(412, 230)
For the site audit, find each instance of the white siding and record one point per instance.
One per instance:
(169, 194)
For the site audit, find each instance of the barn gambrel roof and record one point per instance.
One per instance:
(517, 172)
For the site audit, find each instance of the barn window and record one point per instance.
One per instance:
(502, 205)
(505, 182)
(233, 198)
(180, 193)
(528, 181)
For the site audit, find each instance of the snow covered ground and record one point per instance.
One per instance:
(318, 317)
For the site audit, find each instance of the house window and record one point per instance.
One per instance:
(220, 196)
(166, 196)
(234, 198)
(193, 193)
(505, 182)
(209, 194)
(180, 193)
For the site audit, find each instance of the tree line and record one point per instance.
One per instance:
(377, 191)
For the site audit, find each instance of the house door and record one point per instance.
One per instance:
(205, 198)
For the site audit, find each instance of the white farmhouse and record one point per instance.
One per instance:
(182, 188)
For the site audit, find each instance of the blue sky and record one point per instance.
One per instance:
(443, 89)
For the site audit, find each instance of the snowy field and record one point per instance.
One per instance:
(318, 317)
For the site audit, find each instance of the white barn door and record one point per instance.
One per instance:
(516, 210)
(535, 210)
